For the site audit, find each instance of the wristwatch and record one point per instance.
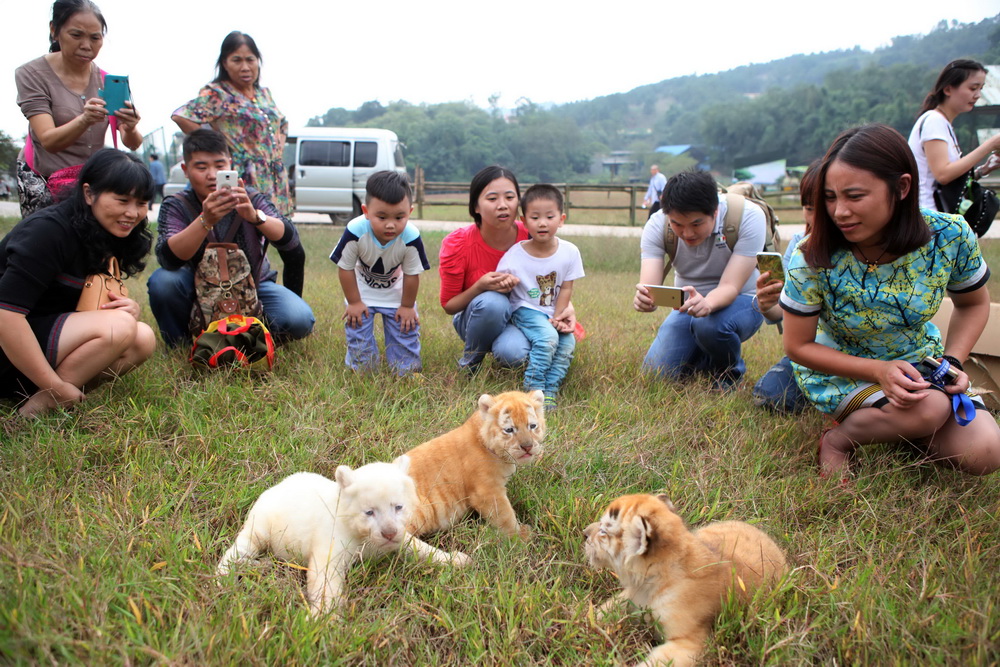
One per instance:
(261, 218)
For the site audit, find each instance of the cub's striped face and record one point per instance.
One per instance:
(626, 530)
(514, 425)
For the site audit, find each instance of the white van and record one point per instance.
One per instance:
(328, 167)
(332, 165)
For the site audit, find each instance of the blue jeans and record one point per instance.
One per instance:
(551, 351)
(712, 344)
(485, 327)
(778, 391)
(171, 294)
(402, 350)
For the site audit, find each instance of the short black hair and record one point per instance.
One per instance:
(541, 191)
(64, 10)
(808, 196)
(204, 140)
(689, 192)
(391, 187)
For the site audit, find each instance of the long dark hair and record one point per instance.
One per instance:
(110, 170)
(484, 177)
(883, 152)
(63, 11)
(953, 75)
(233, 41)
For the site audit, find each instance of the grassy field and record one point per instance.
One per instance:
(114, 515)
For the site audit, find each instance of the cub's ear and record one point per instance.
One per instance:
(344, 476)
(486, 402)
(663, 498)
(537, 397)
(637, 536)
(403, 463)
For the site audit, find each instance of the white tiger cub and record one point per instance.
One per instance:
(326, 525)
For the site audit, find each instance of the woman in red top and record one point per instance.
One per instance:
(472, 290)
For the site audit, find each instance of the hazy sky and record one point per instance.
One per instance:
(319, 55)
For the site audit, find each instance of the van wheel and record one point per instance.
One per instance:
(341, 218)
(357, 207)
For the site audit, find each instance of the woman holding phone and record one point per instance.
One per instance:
(932, 140)
(859, 297)
(59, 95)
(236, 105)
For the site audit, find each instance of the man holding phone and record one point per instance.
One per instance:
(191, 219)
(706, 333)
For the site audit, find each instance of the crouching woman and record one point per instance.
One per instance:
(51, 355)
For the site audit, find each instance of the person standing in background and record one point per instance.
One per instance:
(656, 183)
(159, 174)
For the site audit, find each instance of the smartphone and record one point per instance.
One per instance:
(931, 364)
(668, 297)
(771, 261)
(115, 92)
(225, 178)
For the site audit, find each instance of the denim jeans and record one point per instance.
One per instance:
(171, 294)
(485, 326)
(402, 350)
(551, 351)
(712, 344)
(778, 391)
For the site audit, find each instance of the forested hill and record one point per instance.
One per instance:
(789, 108)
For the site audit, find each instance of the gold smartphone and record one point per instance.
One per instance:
(666, 296)
(771, 261)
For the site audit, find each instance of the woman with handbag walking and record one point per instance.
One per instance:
(51, 351)
(60, 95)
(939, 158)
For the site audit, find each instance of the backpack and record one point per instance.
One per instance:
(736, 196)
(224, 281)
(234, 341)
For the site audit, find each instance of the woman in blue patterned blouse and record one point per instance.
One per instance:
(861, 291)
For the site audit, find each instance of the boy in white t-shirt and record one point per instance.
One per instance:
(545, 267)
(381, 257)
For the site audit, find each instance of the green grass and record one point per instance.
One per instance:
(114, 515)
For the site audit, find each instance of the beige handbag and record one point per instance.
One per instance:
(96, 287)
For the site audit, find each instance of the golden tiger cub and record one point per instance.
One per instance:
(468, 468)
(681, 576)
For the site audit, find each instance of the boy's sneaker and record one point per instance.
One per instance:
(550, 403)
(470, 363)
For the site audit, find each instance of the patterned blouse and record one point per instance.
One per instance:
(255, 129)
(882, 312)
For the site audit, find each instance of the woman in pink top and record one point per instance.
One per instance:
(472, 290)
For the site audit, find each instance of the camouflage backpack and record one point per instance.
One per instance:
(736, 195)
(224, 283)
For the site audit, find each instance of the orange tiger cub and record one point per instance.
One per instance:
(681, 576)
(468, 468)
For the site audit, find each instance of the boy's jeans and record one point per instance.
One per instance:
(402, 350)
(551, 351)
(712, 344)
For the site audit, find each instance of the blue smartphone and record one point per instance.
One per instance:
(115, 92)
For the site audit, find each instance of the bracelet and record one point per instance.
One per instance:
(205, 225)
(755, 304)
(953, 361)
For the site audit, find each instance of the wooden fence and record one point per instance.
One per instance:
(580, 200)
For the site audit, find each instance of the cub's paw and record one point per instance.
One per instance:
(524, 532)
(459, 559)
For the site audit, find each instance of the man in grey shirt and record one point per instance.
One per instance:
(704, 335)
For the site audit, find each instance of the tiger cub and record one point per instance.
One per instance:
(468, 468)
(681, 576)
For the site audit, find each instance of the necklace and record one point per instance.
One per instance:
(871, 263)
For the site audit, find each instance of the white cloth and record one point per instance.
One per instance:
(702, 266)
(565, 264)
(379, 267)
(931, 126)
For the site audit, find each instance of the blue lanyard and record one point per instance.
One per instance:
(959, 402)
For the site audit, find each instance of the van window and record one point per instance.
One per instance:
(365, 154)
(398, 156)
(325, 153)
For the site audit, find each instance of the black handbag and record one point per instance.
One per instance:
(965, 196)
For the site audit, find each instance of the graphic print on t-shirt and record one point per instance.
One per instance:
(376, 276)
(546, 289)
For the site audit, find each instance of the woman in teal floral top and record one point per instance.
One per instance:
(236, 105)
(861, 291)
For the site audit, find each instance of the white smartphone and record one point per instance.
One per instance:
(666, 296)
(771, 261)
(225, 178)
